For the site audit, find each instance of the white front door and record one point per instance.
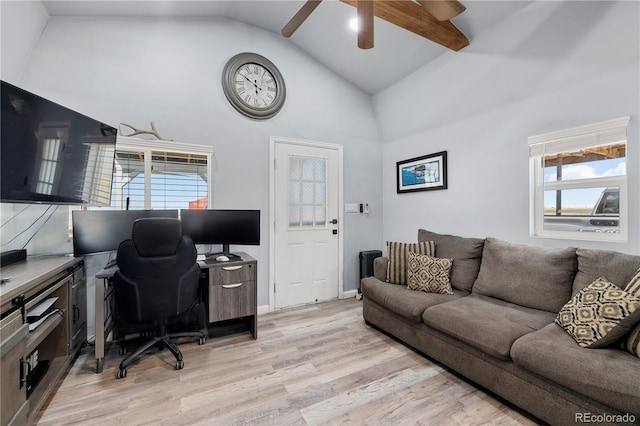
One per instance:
(307, 223)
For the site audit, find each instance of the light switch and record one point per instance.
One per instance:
(351, 208)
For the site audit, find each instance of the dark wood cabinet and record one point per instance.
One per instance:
(33, 360)
(232, 291)
(78, 314)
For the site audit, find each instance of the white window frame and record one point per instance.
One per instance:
(147, 146)
(593, 135)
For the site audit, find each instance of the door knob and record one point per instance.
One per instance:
(334, 221)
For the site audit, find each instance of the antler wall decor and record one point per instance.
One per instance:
(152, 132)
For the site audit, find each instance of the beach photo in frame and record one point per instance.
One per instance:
(424, 173)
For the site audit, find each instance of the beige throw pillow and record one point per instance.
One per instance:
(429, 274)
(632, 342)
(397, 253)
(634, 285)
(599, 314)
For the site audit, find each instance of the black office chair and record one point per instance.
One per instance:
(157, 281)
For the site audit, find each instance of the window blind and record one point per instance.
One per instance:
(598, 134)
(161, 175)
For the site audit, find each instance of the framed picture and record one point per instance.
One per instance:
(425, 173)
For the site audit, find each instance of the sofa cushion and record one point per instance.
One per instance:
(618, 268)
(490, 325)
(528, 275)
(599, 314)
(407, 303)
(430, 274)
(465, 252)
(397, 253)
(611, 376)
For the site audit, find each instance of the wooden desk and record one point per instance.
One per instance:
(231, 294)
(54, 343)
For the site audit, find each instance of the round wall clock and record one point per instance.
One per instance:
(253, 85)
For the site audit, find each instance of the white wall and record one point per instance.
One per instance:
(21, 23)
(39, 228)
(553, 65)
(169, 71)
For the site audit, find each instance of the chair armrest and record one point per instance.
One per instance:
(380, 268)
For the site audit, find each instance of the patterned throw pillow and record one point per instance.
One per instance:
(632, 342)
(430, 274)
(599, 314)
(397, 253)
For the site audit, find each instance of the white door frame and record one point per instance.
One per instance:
(273, 140)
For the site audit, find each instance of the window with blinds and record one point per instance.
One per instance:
(160, 175)
(579, 181)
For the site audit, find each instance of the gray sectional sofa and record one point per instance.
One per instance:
(497, 328)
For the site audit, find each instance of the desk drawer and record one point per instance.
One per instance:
(231, 274)
(232, 300)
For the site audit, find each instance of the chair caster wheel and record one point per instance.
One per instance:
(122, 373)
(179, 365)
(202, 340)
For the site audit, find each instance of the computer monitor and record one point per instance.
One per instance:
(97, 231)
(224, 227)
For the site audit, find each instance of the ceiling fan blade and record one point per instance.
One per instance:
(443, 10)
(365, 23)
(300, 17)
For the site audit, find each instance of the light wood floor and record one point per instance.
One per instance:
(319, 364)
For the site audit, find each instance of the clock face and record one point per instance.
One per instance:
(253, 85)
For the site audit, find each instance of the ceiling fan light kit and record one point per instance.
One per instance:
(427, 18)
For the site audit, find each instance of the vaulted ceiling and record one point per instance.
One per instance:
(325, 35)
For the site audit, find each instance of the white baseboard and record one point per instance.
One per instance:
(349, 294)
(264, 309)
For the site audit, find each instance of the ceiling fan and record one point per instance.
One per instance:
(427, 18)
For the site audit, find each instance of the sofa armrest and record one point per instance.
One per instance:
(380, 268)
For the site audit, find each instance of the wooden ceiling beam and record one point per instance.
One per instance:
(365, 23)
(413, 17)
(443, 10)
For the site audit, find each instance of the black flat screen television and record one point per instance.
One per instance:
(52, 154)
(98, 231)
(241, 227)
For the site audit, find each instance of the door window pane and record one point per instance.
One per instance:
(307, 192)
